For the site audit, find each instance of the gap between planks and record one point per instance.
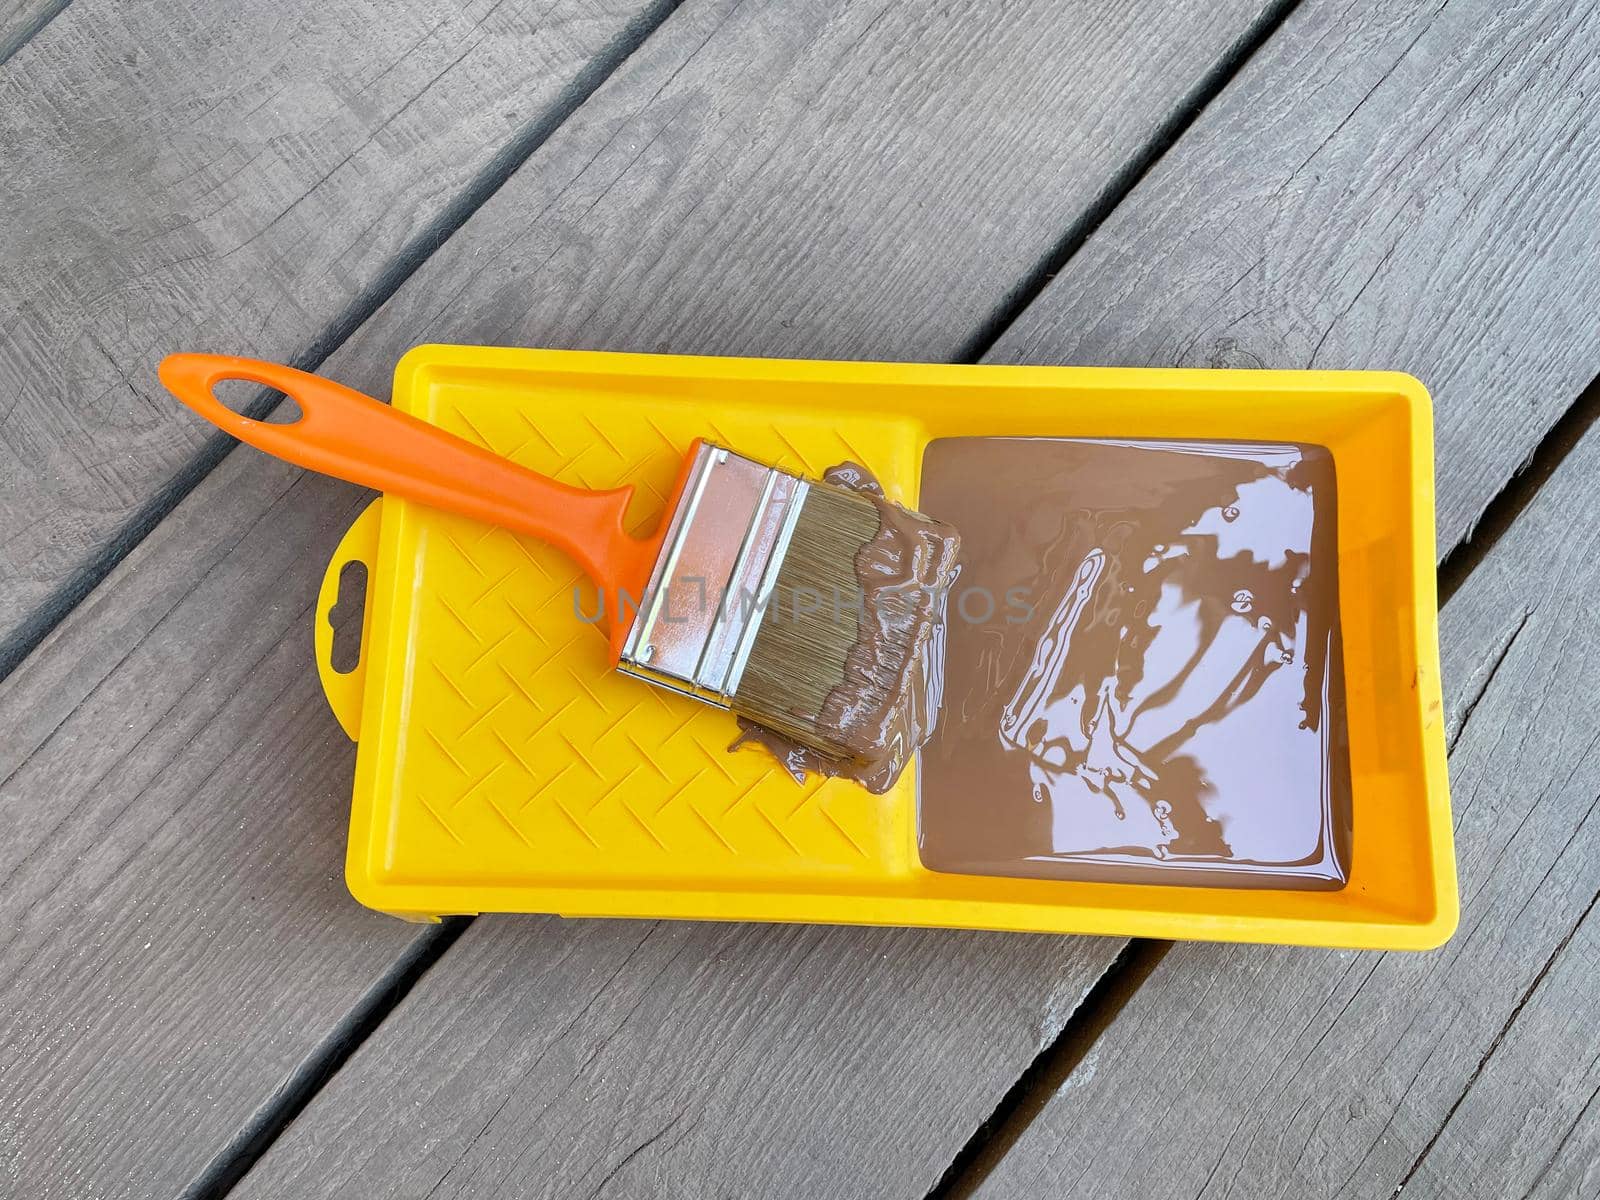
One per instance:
(1120, 185)
(1138, 959)
(1099, 1006)
(1048, 1072)
(1055, 1063)
(522, 145)
(1501, 512)
(1494, 1044)
(27, 27)
(1016, 266)
(251, 1142)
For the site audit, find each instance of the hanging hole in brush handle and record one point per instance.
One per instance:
(200, 392)
(256, 403)
(356, 438)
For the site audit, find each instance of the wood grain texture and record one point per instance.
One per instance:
(500, 292)
(791, 179)
(21, 19)
(1406, 186)
(175, 808)
(226, 176)
(1315, 1073)
(820, 180)
(1527, 1127)
(475, 1142)
(551, 1058)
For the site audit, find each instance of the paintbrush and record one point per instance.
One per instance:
(748, 596)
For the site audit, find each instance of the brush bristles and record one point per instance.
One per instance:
(812, 620)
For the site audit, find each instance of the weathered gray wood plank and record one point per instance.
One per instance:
(21, 19)
(227, 176)
(1405, 186)
(810, 187)
(1314, 1073)
(1528, 1126)
(154, 881)
(557, 1059)
(347, 1112)
(696, 201)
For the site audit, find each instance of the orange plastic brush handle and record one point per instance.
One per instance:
(353, 437)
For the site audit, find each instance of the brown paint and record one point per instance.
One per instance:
(889, 697)
(1171, 710)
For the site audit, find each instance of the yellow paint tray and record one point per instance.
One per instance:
(502, 766)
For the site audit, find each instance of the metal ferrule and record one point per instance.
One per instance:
(698, 618)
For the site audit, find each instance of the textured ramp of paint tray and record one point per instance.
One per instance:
(521, 756)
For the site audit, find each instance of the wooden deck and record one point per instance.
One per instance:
(192, 1003)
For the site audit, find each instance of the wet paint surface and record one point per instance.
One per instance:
(1168, 705)
(889, 699)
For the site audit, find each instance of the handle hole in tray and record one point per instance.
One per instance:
(345, 618)
(264, 404)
